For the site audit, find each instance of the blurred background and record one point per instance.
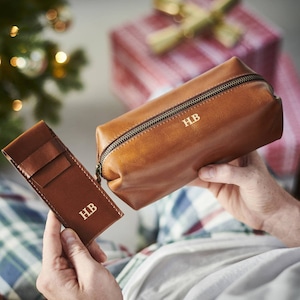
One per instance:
(82, 111)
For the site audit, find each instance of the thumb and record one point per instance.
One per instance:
(76, 251)
(224, 173)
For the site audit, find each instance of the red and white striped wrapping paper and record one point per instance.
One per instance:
(283, 155)
(138, 75)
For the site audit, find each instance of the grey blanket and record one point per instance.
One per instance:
(257, 267)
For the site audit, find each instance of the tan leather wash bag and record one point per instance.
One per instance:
(159, 147)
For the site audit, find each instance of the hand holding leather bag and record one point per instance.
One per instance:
(62, 182)
(159, 147)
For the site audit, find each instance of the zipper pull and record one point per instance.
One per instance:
(99, 172)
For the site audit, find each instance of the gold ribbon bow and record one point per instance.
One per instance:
(194, 20)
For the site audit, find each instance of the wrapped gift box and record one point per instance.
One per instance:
(138, 74)
(283, 155)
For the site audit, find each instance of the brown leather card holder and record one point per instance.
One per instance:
(62, 182)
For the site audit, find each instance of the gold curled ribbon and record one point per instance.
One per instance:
(194, 20)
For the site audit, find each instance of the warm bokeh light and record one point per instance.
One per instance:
(60, 26)
(13, 61)
(61, 57)
(51, 14)
(21, 62)
(17, 105)
(59, 73)
(14, 31)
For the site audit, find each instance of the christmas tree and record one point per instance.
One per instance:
(31, 65)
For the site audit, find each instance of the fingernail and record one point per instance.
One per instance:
(207, 172)
(69, 236)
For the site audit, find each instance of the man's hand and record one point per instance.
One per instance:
(246, 190)
(70, 270)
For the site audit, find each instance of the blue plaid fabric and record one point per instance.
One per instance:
(21, 232)
(190, 212)
(22, 222)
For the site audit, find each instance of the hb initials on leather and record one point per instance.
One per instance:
(191, 120)
(88, 211)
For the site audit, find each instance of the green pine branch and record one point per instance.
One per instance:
(24, 84)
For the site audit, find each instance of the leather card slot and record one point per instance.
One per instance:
(52, 170)
(41, 157)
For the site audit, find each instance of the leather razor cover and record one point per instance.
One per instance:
(62, 182)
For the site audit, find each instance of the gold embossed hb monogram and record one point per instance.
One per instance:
(86, 212)
(191, 120)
